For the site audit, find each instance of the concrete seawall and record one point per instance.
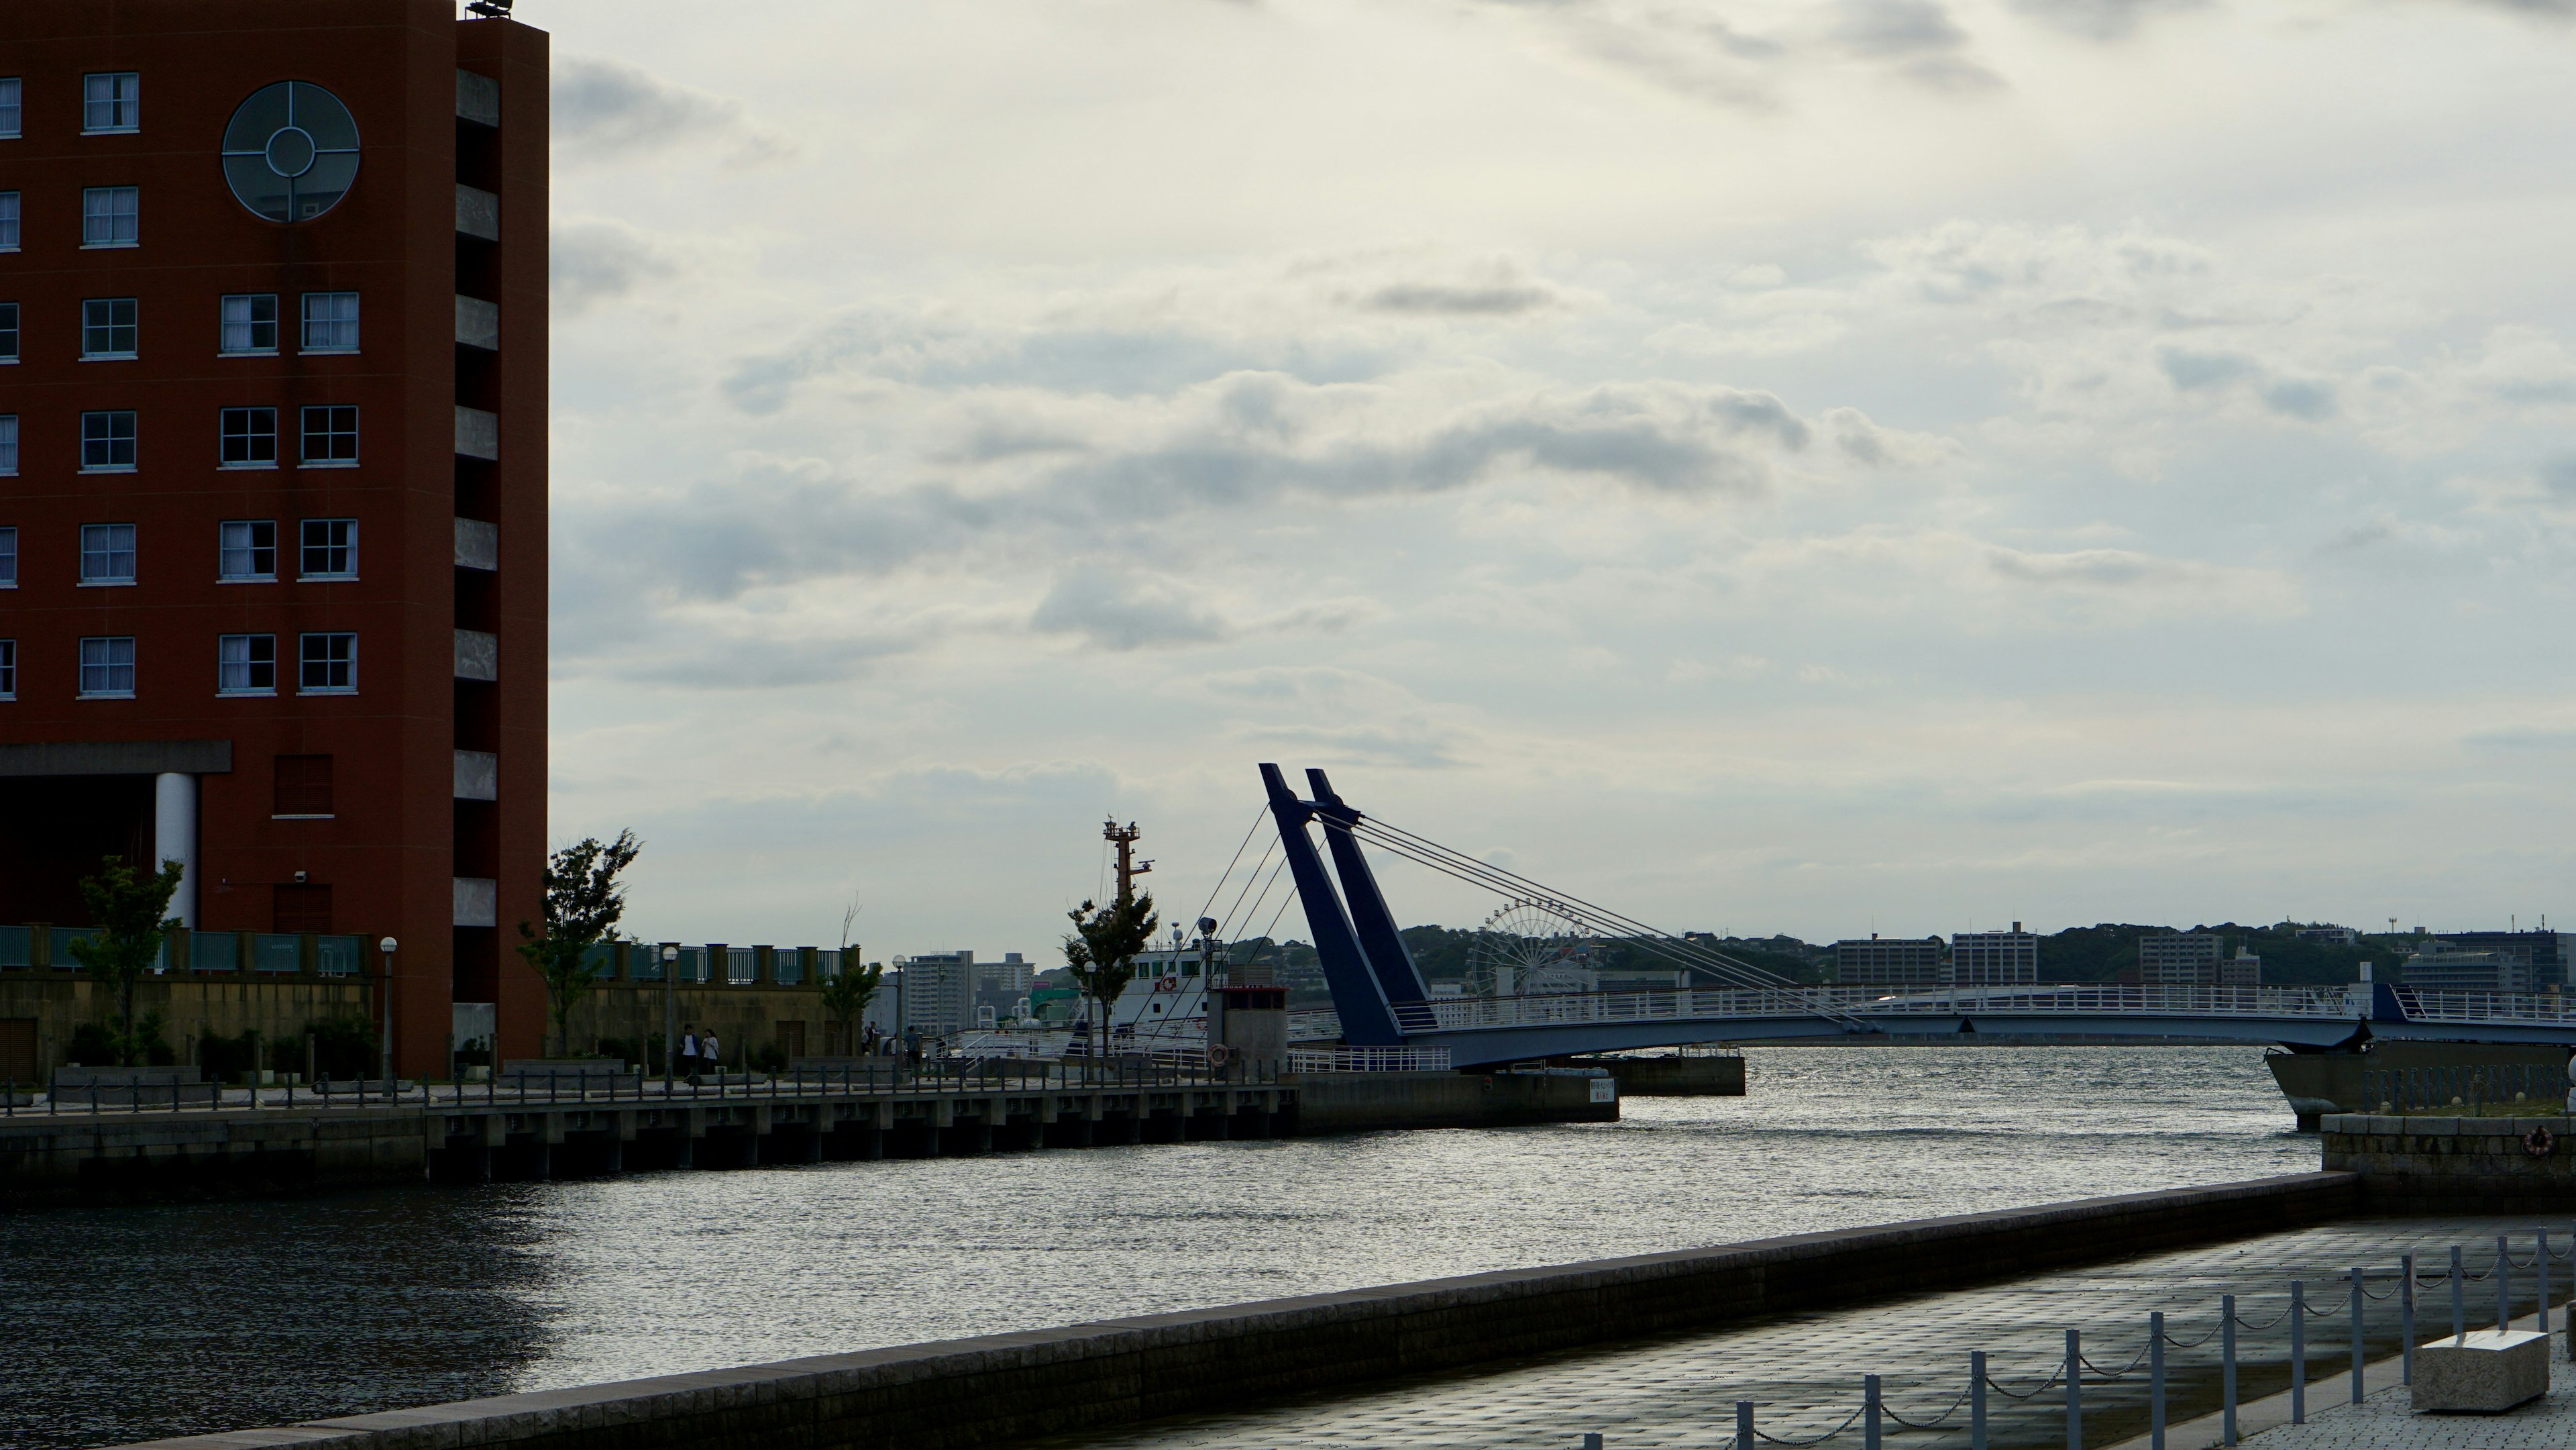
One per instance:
(1004, 1387)
(2425, 1164)
(1352, 1102)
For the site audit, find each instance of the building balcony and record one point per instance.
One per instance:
(478, 434)
(478, 99)
(478, 545)
(478, 213)
(478, 323)
(478, 901)
(478, 775)
(478, 655)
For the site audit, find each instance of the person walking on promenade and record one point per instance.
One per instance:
(707, 1055)
(689, 1052)
(912, 1047)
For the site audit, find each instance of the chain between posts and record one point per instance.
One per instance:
(2074, 1367)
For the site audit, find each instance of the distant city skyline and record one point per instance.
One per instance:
(1891, 465)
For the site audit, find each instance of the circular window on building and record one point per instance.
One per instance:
(291, 151)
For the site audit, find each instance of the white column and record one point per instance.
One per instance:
(174, 838)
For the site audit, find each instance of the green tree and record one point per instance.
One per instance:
(1101, 950)
(584, 903)
(847, 995)
(130, 913)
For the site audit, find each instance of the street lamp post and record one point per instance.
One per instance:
(670, 1012)
(387, 947)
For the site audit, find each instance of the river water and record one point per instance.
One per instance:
(137, 1323)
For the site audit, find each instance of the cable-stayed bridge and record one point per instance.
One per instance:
(1380, 999)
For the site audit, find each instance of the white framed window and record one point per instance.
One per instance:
(107, 442)
(11, 114)
(111, 216)
(330, 436)
(107, 554)
(246, 664)
(8, 444)
(246, 551)
(8, 669)
(330, 322)
(8, 221)
(107, 667)
(249, 325)
(111, 101)
(327, 664)
(329, 549)
(9, 556)
(8, 332)
(110, 327)
(248, 438)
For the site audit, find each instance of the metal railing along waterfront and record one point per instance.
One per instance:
(1368, 1059)
(2060, 1383)
(558, 1087)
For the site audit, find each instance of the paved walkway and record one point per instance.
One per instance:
(1804, 1371)
(2383, 1422)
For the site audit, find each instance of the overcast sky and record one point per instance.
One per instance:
(1831, 467)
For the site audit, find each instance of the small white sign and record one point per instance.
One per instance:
(1605, 1090)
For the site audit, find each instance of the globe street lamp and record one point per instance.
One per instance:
(387, 947)
(670, 1012)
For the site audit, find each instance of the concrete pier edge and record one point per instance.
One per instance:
(1087, 1377)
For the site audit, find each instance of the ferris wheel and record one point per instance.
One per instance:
(1530, 945)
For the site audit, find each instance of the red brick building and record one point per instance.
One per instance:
(273, 476)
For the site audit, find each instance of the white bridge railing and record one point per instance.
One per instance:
(1465, 1014)
(1368, 1059)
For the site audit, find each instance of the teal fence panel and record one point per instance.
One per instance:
(214, 951)
(340, 956)
(787, 966)
(602, 961)
(644, 962)
(63, 937)
(276, 952)
(17, 946)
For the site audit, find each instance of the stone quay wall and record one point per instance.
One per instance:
(2418, 1163)
(1091, 1377)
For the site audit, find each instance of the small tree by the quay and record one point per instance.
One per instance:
(1101, 949)
(584, 903)
(131, 914)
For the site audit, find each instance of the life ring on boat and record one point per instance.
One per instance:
(2539, 1141)
(1219, 1054)
(1167, 984)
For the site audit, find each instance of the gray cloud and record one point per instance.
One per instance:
(589, 263)
(2301, 398)
(2102, 19)
(607, 107)
(1121, 612)
(2193, 370)
(767, 525)
(1497, 300)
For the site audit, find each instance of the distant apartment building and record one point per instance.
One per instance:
(1011, 977)
(2178, 959)
(2244, 969)
(2335, 936)
(938, 991)
(1889, 962)
(2540, 957)
(1994, 958)
(2445, 967)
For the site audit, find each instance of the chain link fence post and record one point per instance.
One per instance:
(2406, 1318)
(1744, 1425)
(1977, 1400)
(2298, 1351)
(2357, 1323)
(2074, 1389)
(2156, 1380)
(2227, 1370)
